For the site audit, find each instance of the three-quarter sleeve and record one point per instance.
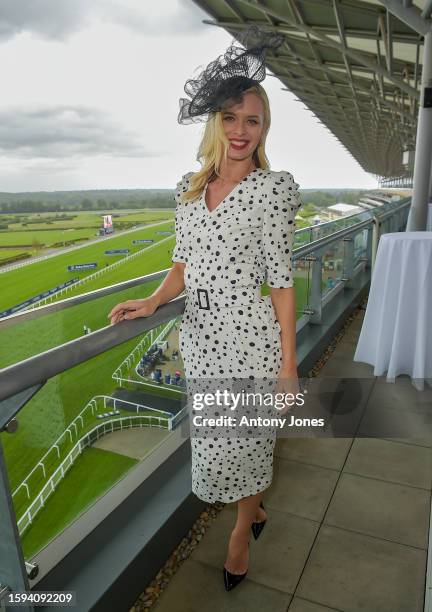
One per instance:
(179, 252)
(280, 207)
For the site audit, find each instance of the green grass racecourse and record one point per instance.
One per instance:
(8, 253)
(23, 283)
(47, 415)
(24, 222)
(44, 418)
(37, 480)
(94, 473)
(34, 336)
(37, 335)
(49, 412)
(45, 238)
(81, 225)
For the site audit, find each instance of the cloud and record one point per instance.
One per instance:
(46, 18)
(65, 132)
(59, 19)
(173, 17)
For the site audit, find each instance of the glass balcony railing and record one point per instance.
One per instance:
(65, 324)
(332, 265)
(98, 418)
(105, 402)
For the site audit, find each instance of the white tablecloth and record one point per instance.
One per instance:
(396, 335)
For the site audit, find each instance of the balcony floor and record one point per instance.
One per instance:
(348, 520)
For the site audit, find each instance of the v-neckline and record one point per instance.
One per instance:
(233, 190)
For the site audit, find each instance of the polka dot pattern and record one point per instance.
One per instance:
(246, 240)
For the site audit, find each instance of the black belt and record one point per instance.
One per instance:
(202, 298)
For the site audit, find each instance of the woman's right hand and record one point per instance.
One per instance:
(131, 309)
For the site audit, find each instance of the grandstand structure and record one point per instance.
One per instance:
(363, 68)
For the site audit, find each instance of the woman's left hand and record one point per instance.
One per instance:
(287, 383)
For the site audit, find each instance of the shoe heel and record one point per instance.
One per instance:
(232, 580)
(258, 527)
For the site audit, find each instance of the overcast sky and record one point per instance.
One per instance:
(90, 96)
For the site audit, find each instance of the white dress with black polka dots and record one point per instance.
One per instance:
(229, 330)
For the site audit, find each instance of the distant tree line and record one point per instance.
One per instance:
(326, 197)
(58, 201)
(106, 200)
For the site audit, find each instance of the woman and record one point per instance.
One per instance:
(235, 223)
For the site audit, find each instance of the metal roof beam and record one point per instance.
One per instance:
(288, 32)
(297, 13)
(341, 32)
(295, 57)
(232, 7)
(352, 6)
(363, 88)
(357, 55)
(383, 28)
(367, 100)
(410, 15)
(330, 111)
(308, 93)
(389, 26)
(362, 84)
(379, 74)
(403, 37)
(366, 70)
(340, 26)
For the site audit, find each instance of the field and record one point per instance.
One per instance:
(105, 469)
(47, 229)
(7, 253)
(48, 414)
(43, 237)
(23, 283)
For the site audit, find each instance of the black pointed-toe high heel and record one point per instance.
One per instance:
(232, 580)
(258, 527)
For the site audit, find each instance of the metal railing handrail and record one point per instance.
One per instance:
(305, 249)
(398, 204)
(39, 368)
(389, 213)
(41, 311)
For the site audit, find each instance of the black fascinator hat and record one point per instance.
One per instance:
(228, 76)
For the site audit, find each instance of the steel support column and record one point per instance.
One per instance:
(430, 183)
(423, 150)
(429, 208)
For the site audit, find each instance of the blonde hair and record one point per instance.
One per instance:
(214, 147)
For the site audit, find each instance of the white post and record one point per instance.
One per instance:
(423, 150)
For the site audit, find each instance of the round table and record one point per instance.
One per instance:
(396, 335)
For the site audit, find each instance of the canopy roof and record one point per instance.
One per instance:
(356, 64)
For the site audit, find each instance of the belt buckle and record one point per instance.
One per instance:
(205, 291)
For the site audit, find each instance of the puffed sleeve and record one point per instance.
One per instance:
(179, 253)
(280, 207)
